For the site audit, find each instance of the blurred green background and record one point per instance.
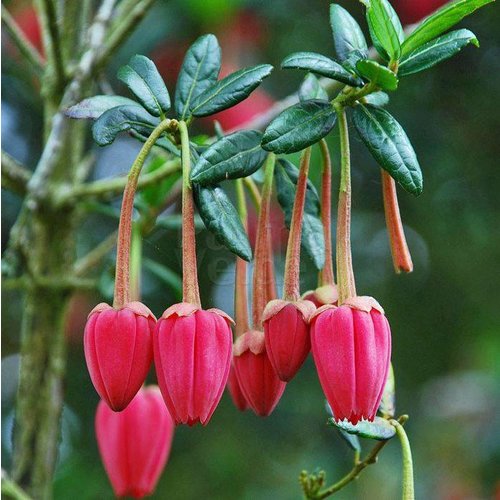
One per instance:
(445, 316)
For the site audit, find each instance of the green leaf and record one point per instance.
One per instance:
(166, 275)
(440, 21)
(431, 53)
(162, 142)
(389, 145)
(142, 78)
(311, 89)
(380, 429)
(93, 107)
(221, 218)
(347, 35)
(299, 126)
(120, 119)
(231, 90)
(385, 29)
(350, 439)
(236, 155)
(388, 403)
(312, 240)
(320, 65)
(377, 74)
(379, 99)
(199, 71)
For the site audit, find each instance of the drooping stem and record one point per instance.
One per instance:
(270, 275)
(190, 289)
(135, 264)
(240, 289)
(291, 286)
(408, 486)
(327, 276)
(345, 274)
(260, 274)
(122, 276)
(401, 256)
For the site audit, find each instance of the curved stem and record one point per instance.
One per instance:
(135, 265)
(240, 289)
(401, 256)
(327, 276)
(254, 192)
(260, 285)
(122, 275)
(190, 289)
(291, 286)
(408, 487)
(345, 274)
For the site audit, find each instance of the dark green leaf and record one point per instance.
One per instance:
(286, 176)
(377, 74)
(231, 90)
(385, 29)
(352, 59)
(235, 155)
(440, 21)
(311, 89)
(320, 65)
(94, 107)
(166, 275)
(122, 118)
(221, 219)
(380, 429)
(431, 53)
(199, 71)
(162, 142)
(388, 403)
(350, 439)
(142, 78)
(389, 145)
(347, 35)
(299, 126)
(379, 99)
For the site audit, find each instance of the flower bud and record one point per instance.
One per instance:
(326, 294)
(233, 386)
(192, 352)
(260, 385)
(134, 444)
(118, 350)
(351, 347)
(286, 329)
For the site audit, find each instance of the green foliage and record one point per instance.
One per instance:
(389, 145)
(388, 402)
(377, 74)
(144, 81)
(235, 155)
(94, 107)
(311, 89)
(379, 99)
(380, 429)
(299, 126)
(347, 35)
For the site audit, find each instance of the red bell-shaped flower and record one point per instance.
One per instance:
(234, 389)
(260, 385)
(192, 352)
(134, 444)
(118, 349)
(351, 347)
(286, 329)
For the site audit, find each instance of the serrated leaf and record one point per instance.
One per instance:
(312, 241)
(380, 429)
(389, 145)
(431, 53)
(440, 21)
(199, 71)
(377, 74)
(347, 35)
(166, 275)
(388, 402)
(120, 119)
(311, 89)
(385, 29)
(379, 99)
(299, 126)
(143, 79)
(221, 218)
(93, 107)
(234, 156)
(231, 90)
(320, 65)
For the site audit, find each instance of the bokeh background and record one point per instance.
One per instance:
(445, 316)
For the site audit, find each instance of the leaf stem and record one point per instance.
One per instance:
(401, 256)
(190, 289)
(261, 276)
(345, 274)
(122, 275)
(327, 276)
(254, 192)
(408, 486)
(291, 286)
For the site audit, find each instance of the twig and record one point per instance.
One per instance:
(14, 175)
(94, 257)
(26, 48)
(11, 489)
